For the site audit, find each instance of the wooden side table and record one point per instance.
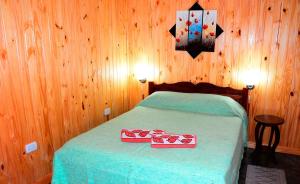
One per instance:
(267, 121)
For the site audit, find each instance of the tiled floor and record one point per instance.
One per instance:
(289, 163)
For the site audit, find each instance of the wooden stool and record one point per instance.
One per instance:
(264, 121)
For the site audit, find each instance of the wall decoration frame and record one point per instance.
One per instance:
(196, 30)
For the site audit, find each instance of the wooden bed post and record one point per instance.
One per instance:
(151, 88)
(245, 99)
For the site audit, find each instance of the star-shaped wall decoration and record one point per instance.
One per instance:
(196, 30)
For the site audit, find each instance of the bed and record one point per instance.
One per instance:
(219, 121)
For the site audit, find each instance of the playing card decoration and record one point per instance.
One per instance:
(196, 30)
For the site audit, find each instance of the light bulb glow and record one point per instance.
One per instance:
(141, 72)
(252, 77)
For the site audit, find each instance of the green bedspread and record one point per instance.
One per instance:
(98, 156)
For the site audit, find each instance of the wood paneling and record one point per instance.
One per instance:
(62, 62)
(258, 35)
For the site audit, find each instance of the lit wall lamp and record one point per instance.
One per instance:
(143, 80)
(250, 86)
(141, 72)
(251, 78)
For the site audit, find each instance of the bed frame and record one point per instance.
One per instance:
(239, 95)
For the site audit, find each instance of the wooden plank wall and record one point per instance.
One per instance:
(63, 62)
(260, 35)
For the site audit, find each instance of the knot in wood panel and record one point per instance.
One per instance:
(58, 27)
(3, 54)
(82, 105)
(284, 10)
(240, 32)
(84, 17)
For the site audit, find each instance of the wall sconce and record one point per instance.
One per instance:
(143, 80)
(141, 72)
(251, 78)
(250, 86)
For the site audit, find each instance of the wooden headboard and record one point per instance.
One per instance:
(239, 95)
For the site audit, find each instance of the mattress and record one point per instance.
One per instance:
(98, 156)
